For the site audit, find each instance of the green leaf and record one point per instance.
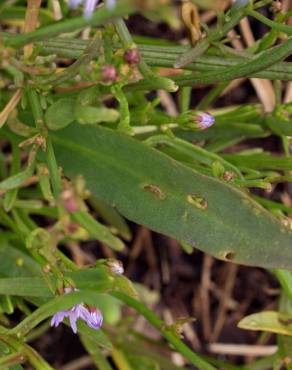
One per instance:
(260, 161)
(98, 337)
(151, 189)
(60, 114)
(94, 279)
(25, 286)
(97, 356)
(97, 230)
(279, 126)
(112, 217)
(91, 115)
(270, 321)
(111, 309)
(143, 363)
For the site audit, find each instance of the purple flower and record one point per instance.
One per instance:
(204, 120)
(89, 6)
(92, 316)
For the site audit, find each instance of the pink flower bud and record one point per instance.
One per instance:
(132, 56)
(109, 73)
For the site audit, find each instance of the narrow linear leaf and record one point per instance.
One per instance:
(97, 230)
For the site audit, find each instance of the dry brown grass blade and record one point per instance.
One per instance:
(31, 22)
(263, 88)
(205, 296)
(223, 305)
(10, 106)
(241, 349)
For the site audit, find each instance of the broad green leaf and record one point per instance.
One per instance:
(154, 190)
(270, 321)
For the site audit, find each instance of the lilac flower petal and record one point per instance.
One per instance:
(110, 4)
(59, 317)
(94, 319)
(73, 318)
(74, 3)
(89, 8)
(74, 314)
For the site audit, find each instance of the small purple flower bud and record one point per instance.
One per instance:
(115, 266)
(204, 120)
(132, 56)
(108, 73)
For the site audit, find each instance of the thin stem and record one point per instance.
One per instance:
(128, 42)
(53, 169)
(268, 22)
(195, 359)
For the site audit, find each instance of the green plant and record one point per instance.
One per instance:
(86, 140)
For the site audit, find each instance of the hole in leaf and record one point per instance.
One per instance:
(197, 201)
(155, 190)
(229, 256)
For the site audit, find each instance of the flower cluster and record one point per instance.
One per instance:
(91, 316)
(89, 6)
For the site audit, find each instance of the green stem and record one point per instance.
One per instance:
(53, 169)
(50, 155)
(285, 279)
(195, 359)
(36, 109)
(268, 22)
(263, 61)
(128, 42)
(12, 359)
